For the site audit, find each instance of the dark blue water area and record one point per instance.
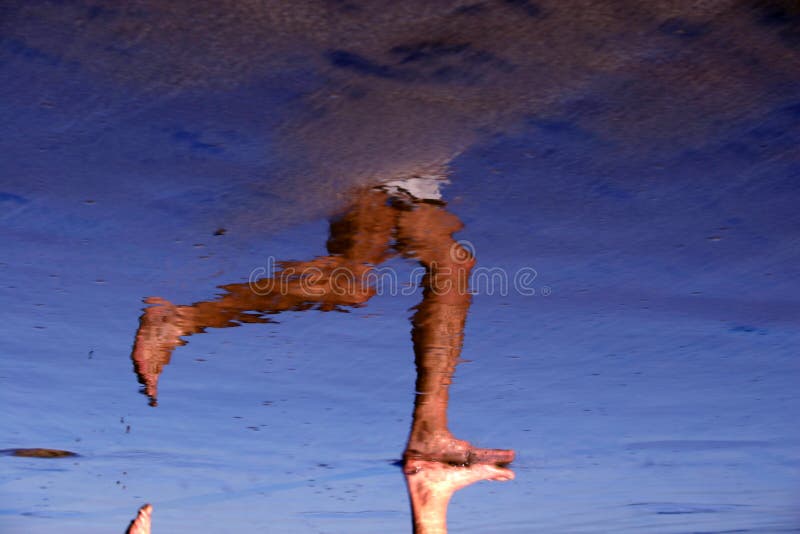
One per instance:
(633, 333)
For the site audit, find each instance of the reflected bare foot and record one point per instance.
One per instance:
(160, 328)
(141, 525)
(443, 447)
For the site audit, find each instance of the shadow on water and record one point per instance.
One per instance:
(378, 224)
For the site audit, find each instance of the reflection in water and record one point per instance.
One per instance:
(408, 218)
(141, 523)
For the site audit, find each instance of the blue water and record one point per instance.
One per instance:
(649, 383)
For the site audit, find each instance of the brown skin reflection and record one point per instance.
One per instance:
(435, 463)
(359, 240)
(377, 224)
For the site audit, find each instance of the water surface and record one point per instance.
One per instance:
(643, 164)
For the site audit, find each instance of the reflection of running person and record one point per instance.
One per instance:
(406, 216)
(359, 239)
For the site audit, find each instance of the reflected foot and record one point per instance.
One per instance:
(443, 447)
(141, 525)
(160, 328)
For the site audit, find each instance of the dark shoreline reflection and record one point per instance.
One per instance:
(378, 224)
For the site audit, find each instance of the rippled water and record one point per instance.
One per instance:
(632, 328)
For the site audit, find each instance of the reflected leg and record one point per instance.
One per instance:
(425, 233)
(359, 239)
(436, 464)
